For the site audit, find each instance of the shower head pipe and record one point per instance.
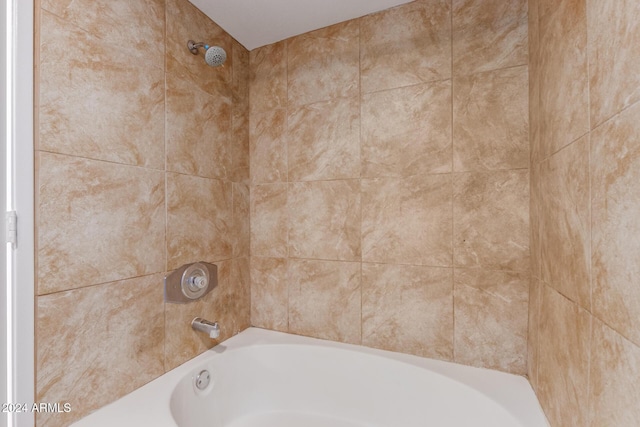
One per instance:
(215, 56)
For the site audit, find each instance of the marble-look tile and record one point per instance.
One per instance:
(324, 64)
(614, 389)
(407, 131)
(491, 220)
(324, 140)
(269, 293)
(535, 202)
(241, 214)
(137, 26)
(491, 120)
(564, 110)
(563, 366)
(228, 304)
(534, 81)
(97, 344)
(97, 100)
(491, 319)
(268, 77)
(615, 203)
(406, 45)
(186, 22)
(488, 35)
(269, 220)
(533, 332)
(407, 221)
(324, 220)
(240, 136)
(408, 309)
(97, 222)
(199, 221)
(198, 130)
(268, 146)
(565, 223)
(324, 299)
(614, 57)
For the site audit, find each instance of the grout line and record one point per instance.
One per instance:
(453, 222)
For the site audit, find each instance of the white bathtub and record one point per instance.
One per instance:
(268, 379)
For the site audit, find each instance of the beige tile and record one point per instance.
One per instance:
(97, 100)
(324, 220)
(533, 333)
(269, 220)
(535, 208)
(407, 221)
(564, 113)
(324, 140)
(269, 293)
(240, 132)
(228, 304)
(488, 34)
(97, 222)
(563, 367)
(268, 146)
(491, 220)
(614, 57)
(268, 77)
(491, 120)
(324, 64)
(408, 309)
(241, 215)
(614, 389)
(534, 81)
(136, 25)
(491, 319)
(406, 45)
(198, 130)
(324, 299)
(565, 223)
(199, 221)
(407, 131)
(97, 344)
(186, 22)
(615, 203)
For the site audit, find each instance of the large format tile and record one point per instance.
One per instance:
(614, 57)
(269, 293)
(324, 64)
(563, 366)
(614, 390)
(408, 309)
(491, 120)
(239, 144)
(199, 221)
(491, 319)
(324, 220)
(97, 344)
(97, 100)
(491, 220)
(324, 299)
(407, 131)
(564, 110)
(268, 146)
(533, 332)
(198, 130)
(269, 220)
(241, 214)
(565, 223)
(407, 221)
(268, 77)
(615, 203)
(324, 140)
(406, 45)
(488, 35)
(97, 222)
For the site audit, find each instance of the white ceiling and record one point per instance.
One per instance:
(256, 23)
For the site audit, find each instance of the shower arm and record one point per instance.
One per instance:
(193, 46)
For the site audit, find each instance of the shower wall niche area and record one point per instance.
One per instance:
(142, 166)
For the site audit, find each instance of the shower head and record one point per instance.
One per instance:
(214, 55)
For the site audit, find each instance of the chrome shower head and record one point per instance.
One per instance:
(214, 55)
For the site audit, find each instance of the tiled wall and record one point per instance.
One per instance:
(390, 182)
(142, 165)
(584, 353)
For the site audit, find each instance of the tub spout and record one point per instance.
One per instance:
(212, 329)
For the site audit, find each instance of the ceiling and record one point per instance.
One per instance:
(256, 23)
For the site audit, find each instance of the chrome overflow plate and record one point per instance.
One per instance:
(190, 282)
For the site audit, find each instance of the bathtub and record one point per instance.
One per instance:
(263, 378)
